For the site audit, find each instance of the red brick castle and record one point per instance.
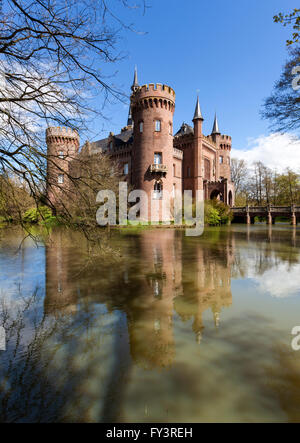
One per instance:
(150, 156)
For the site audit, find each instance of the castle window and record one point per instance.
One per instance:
(221, 159)
(125, 169)
(188, 171)
(61, 154)
(157, 125)
(174, 190)
(170, 129)
(60, 179)
(157, 158)
(141, 126)
(157, 193)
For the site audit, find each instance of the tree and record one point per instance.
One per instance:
(282, 107)
(239, 173)
(290, 19)
(53, 55)
(288, 185)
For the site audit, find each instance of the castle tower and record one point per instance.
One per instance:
(224, 144)
(152, 113)
(215, 136)
(62, 148)
(198, 176)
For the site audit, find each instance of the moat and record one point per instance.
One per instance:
(159, 327)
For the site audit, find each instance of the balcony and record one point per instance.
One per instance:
(177, 153)
(158, 168)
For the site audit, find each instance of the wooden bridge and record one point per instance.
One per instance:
(247, 213)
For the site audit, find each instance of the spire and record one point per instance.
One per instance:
(129, 120)
(135, 84)
(215, 129)
(197, 114)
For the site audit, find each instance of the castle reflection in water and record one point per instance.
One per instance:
(161, 281)
(163, 275)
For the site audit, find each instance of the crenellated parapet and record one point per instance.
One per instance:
(154, 96)
(225, 142)
(62, 135)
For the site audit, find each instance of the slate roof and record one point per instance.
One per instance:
(123, 138)
(185, 129)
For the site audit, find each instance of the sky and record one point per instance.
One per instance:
(229, 52)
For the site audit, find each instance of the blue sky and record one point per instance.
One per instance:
(231, 51)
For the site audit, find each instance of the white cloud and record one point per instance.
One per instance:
(277, 151)
(280, 281)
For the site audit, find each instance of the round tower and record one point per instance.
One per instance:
(153, 107)
(62, 148)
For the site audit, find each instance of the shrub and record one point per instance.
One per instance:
(38, 214)
(223, 211)
(211, 215)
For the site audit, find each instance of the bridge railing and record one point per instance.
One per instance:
(266, 209)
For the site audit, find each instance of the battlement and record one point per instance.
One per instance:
(226, 138)
(157, 87)
(154, 90)
(57, 131)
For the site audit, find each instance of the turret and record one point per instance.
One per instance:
(62, 148)
(135, 84)
(215, 129)
(224, 145)
(198, 120)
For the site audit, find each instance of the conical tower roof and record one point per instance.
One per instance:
(197, 114)
(215, 129)
(135, 80)
(129, 120)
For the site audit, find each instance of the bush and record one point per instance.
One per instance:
(211, 216)
(223, 210)
(37, 215)
(217, 213)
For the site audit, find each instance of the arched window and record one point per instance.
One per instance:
(141, 126)
(230, 199)
(157, 125)
(157, 158)
(157, 193)
(60, 179)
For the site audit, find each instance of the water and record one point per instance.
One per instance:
(157, 327)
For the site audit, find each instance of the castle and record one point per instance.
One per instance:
(150, 157)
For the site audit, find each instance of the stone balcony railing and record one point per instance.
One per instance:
(177, 153)
(158, 168)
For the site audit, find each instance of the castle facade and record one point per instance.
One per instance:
(150, 157)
